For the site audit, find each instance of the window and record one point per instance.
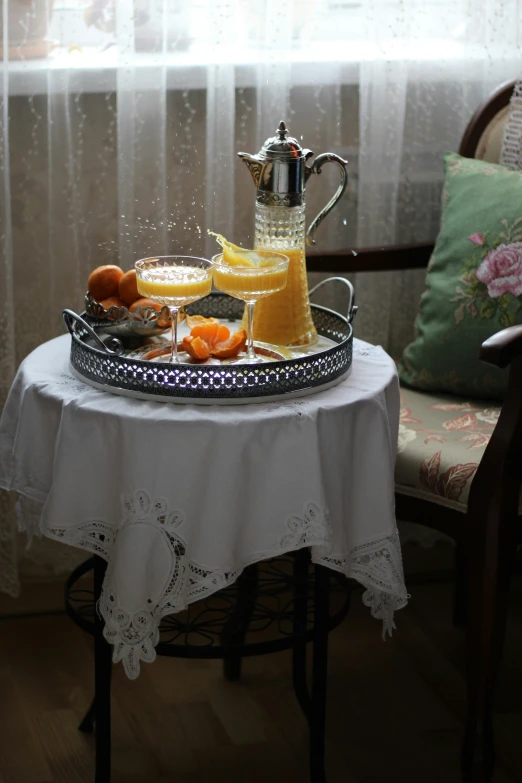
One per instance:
(91, 39)
(187, 25)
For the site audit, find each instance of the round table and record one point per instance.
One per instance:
(180, 499)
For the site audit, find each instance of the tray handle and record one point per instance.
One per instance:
(352, 307)
(110, 345)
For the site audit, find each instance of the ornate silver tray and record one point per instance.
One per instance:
(120, 322)
(105, 362)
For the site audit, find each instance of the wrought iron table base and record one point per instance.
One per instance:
(305, 618)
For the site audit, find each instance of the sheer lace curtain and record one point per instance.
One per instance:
(119, 124)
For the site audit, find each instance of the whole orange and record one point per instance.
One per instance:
(103, 281)
(144, 302)
(128, 287)
(112, 301)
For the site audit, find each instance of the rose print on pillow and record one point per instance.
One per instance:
(490, 285)
(501, 270)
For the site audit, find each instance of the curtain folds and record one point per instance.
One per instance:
(120, 123)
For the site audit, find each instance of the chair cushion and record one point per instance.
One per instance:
(473, 284)
(441, 442)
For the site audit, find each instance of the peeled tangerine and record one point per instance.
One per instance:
(211, 338)
(283, 318)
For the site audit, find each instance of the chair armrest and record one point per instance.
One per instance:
(501, 348)
(495, 490)
(370, 259)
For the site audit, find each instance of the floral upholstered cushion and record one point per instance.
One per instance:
(441, 442)
(473, 284)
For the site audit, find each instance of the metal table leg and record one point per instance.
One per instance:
(319, 675)
(102, 684)
(302, 559)
(87, 722)
(236, 628)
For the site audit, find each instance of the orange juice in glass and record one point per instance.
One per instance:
(174, 281)
(250, 275)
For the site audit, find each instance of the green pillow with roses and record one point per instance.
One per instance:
(473, 284)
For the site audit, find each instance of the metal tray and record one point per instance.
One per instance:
(100, 360)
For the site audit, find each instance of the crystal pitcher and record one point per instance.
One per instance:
(280, 174)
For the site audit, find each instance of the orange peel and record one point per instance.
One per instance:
(196, 320)
(230, 347)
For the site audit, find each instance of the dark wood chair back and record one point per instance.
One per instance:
(413, 256)
(495, 104)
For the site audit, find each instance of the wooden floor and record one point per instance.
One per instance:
(395, 708)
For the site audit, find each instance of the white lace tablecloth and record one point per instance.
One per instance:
(180, 498)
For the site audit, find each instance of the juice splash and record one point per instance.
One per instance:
(284, 318)
(247, 274)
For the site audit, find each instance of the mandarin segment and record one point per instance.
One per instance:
(211, 333)
(207, 332)
(223, 333)
(196, 347)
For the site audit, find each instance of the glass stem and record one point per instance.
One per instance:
(174, 318)
(251, 354)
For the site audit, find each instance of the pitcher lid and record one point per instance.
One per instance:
(282, 144)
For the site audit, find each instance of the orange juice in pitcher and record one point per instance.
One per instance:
(280, 173)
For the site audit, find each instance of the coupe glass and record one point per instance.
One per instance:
(174, 281)
(264, 272)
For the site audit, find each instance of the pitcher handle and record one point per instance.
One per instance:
(316, 167)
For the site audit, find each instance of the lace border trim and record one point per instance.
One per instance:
(377, 565)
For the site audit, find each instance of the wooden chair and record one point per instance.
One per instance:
(484, 520)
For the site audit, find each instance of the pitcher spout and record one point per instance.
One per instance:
(255, 165)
